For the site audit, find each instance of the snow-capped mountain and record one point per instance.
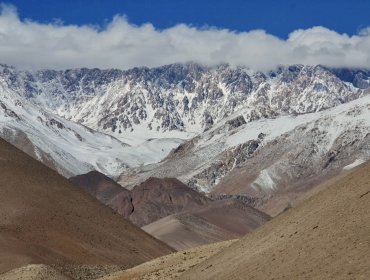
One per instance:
(180, 100)
(119, 121)
(66, 146)
(269, 154)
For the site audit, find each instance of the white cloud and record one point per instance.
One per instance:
(29, 44)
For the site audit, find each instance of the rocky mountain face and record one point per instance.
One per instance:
(259, 160)
(272, 129)
(66, 146)
(182, 97)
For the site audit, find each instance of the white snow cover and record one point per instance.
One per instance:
(75, 148)
(340, 119)
(264, 181)
(211, 145)
(357, 162)
(70, 122)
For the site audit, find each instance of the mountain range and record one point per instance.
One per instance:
(221, 130)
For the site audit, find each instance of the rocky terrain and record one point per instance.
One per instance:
(269, 157)
(183, 97)
(324, 237)
(236, 140)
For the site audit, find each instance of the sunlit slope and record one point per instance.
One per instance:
(325, 237)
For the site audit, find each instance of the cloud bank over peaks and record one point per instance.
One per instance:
(29, 44)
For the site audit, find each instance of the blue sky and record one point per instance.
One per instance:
(261, 34)
(276, 17)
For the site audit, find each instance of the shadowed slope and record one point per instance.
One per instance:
(45, 219)
(157, 198)
(106, 191)
(153, 199)
(190, 218)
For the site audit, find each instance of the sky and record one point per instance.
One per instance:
(128, 33)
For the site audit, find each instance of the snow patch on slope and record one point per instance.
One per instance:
(265, 181)
(357, 162)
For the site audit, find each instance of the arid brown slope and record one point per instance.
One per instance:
(106, 191)
(325, 237)
(214, 222)
(152, 200)
(170, 266)
(157, 198)
(45, 219)
(195, 220)
(34, 272)
(273, 203)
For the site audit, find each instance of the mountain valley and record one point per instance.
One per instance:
(105, 173)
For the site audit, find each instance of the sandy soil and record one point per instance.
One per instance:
(34, 272)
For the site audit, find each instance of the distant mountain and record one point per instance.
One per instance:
(208, 126)
(282, 157)
(187, 98)
(69, 147)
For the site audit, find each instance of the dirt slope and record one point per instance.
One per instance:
(170, 266)
(214, 222)
(325, 237)
(147, 202)
(157, 198)
(45, 219)
(34, 272)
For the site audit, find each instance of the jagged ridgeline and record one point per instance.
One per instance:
(184, 97)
